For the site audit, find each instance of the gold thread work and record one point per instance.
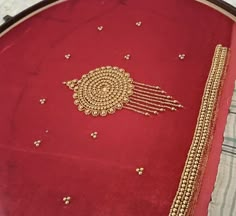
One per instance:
(187, 186)
(107, 89)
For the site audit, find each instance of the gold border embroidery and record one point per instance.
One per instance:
(202, 135)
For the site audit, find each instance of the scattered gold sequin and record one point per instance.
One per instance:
(42, 101)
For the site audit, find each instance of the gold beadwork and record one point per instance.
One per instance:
(107, 89)
(94, 135)
(140, 170)
(202, 133)
(127, 57)
(139, 23)
(37, 143)
(66, 200)
(67, 56)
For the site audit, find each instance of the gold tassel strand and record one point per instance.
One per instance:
(157, 99)
(151, 109)
(157, 107)
(153, 95)
(139, 109)
(158, 103)
(158, 90)
(149, 86)
(162, 95)
(136, 110)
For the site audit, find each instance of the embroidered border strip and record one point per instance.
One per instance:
(202, 135)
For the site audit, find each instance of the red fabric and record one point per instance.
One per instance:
(214, 156)
(100, 174)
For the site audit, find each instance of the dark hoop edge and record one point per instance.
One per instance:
(225, 6)
(7, 24)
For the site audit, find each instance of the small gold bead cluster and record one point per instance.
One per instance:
(181, 56)
(94, 135)
(202, 134)
(67, 200)
(140, 170)
(37, 143)
(42, 101)
(67, 56)
(127, 57)
(100, 28)
(139, 23)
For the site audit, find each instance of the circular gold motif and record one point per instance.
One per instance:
(102, 91)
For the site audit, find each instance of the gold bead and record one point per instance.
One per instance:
(66, 200)
(94, 135)
(127, 57)
(100, 28)
(42, 101)
(174, 209)
(67, 56)
(176, 206)
(181, 56)
(139, 23)
(140, 170)
(37, 143)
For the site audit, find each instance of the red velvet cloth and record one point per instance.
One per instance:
(100, 174)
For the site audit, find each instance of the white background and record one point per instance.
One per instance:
(232, 2)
